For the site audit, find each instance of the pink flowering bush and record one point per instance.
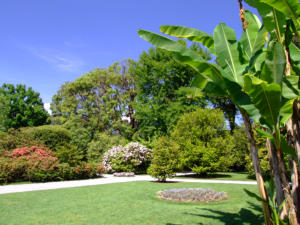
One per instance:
(134, 157)
(33, 164)
(39, 164)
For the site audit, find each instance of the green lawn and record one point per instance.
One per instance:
(127, 203)
(223, 176)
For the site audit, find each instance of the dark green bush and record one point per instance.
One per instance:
(80, 137)
(58, 139)
(53, 136)
(165, 161)
(16, 138)
(68, 154)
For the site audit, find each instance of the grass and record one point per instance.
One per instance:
(127, 203)
(222, 176)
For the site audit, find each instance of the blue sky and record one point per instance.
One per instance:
(45, 43)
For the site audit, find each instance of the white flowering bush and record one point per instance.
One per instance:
(134, 157)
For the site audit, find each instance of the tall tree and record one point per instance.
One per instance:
(20, 107)
(160, 100)
(228, 107)
(97, 100)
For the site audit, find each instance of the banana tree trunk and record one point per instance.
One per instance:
(287, 190)
(274, 164)
(294, 128)
(257, 169)
(295, 185)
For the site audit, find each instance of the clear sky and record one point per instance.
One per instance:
(44, 43)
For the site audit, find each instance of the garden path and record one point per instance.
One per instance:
(106, 179)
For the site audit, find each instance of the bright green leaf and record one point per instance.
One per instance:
(273, 20)
(249, 36)
(291, 8)
(274, 67)
(286, 111)
(291, 87)
(266, 97)
(189, 33)
(227, 52)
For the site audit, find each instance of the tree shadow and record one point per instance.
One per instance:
(244, 216)
(207, 176)
(174, 224)
(165, 182)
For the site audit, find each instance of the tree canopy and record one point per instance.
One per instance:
(160, 99)
(20, 107)
(97, 100)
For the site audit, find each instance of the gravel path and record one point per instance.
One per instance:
(107, 179)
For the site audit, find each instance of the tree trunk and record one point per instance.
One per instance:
(295, 129)
(295, 185)
(290, 205)
(274, 164)
(293, 139)
(257, 169)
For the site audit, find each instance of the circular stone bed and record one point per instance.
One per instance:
(124, 174)
(195, 195)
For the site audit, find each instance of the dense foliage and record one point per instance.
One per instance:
(199, 135)
(20, 107)
(165, 159)
(159, 100)
(96, 101)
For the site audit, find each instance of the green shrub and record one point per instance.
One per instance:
(80, 137)
(199, 134)
(68, 154)
(240, 151)
(101, 144)
(53, 136)
(3, 134)
(16, 138)
(58, 139)
(11, 170)
(165, 161)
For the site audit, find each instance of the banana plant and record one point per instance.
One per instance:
(226, 77)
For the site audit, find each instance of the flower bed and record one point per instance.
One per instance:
(195, 195)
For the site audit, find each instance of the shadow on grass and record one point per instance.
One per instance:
(244, 216)
(165, 182)
(208, 176)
